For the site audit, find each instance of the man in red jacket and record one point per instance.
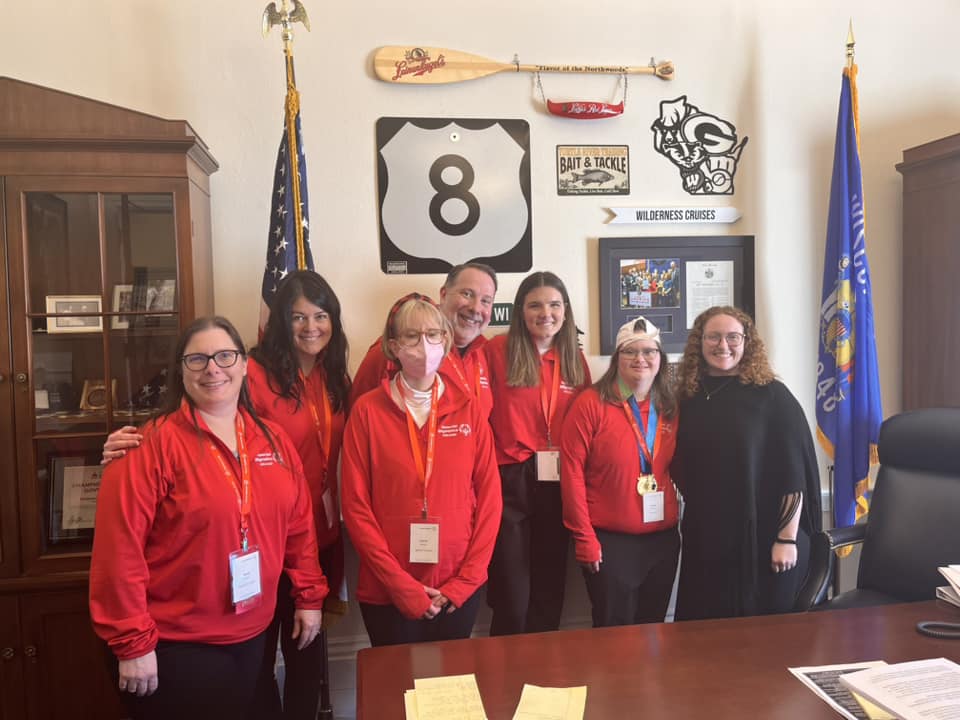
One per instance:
(466, 299)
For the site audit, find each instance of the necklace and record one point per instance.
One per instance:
(710, 393)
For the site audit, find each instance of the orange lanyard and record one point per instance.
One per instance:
(424, 472)
(456, 362)
(244, 493)
(324, 428)
(645, 451)
(549, 407)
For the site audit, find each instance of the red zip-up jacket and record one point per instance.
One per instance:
(299, 426)
(382, 493)
(600, 466)
(519, 426)
(167, 521)
(465, 370)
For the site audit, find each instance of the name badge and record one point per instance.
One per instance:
(245, 588)
(548, 465)
(653, 506)
(329, 511)
(425, 542)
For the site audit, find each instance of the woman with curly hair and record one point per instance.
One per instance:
(746, 466)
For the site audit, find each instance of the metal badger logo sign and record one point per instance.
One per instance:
(702, 146)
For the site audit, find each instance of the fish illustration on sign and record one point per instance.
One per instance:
(592, 176)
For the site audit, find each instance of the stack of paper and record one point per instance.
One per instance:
(824, 680)
(951, 592)
(455, 697)
(917, 690)
(540, 703)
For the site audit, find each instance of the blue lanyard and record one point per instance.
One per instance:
(649, 433)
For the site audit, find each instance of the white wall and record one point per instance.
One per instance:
(773, 69)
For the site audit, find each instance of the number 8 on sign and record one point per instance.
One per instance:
(453, 191)
(447, 191)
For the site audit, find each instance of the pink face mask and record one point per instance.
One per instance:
(420, 361)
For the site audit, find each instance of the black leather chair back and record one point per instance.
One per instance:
(914, 521)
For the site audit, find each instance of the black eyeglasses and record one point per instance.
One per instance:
(199, 361)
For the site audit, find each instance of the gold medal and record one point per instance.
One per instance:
(646, 483)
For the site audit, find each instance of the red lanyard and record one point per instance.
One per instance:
(324, 429)
(549, 407)
(244, 493)
(424, 472)
(456, 360)
(641, 440)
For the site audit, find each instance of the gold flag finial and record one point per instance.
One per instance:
(285, 18)
(850, 43)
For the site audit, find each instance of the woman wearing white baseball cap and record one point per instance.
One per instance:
(619, 501)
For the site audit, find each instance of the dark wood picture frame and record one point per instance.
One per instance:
(57, 529)
(682, 256)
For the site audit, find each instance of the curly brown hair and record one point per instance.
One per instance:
(754, 368)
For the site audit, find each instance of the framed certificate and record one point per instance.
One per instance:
(75, 484)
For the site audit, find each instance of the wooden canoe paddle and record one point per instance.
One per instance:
(432, 66)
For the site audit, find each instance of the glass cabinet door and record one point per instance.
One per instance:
(102, 305)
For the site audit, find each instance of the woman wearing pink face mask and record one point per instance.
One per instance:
(420, 489)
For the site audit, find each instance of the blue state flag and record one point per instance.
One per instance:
(849, 411)
(288, 244)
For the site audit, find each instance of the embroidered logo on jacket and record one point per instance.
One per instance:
(264, 459)
(449, 431)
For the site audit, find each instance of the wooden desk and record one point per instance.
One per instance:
(710, 668)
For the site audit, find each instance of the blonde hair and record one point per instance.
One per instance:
(523, 360)
(401, 317)
(753, 368)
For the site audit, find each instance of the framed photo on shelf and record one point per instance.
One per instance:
(122, 302)
(94, 395)
(79, 310)
(671, 280)
(74, 486)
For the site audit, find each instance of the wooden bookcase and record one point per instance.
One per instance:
(105, 243)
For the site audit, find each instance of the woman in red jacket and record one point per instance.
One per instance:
(193, 531)
(619, 501)
(297, 377)
(535, 371)
(421, 495)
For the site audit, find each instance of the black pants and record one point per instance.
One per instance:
(387, 626)
(198, 681)
(635, 578)
(304, 669)
(528, 569)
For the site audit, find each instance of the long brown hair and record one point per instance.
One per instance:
(523, 360)
(753, 368)
(276, 350)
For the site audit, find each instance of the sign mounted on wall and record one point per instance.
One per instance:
(704, 147)
(593, 170)
(685, 215)
(452, 191)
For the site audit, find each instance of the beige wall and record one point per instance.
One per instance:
(771, 68)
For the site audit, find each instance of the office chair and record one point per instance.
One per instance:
(913, 525)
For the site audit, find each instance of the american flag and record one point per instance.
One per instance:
(289, 210)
